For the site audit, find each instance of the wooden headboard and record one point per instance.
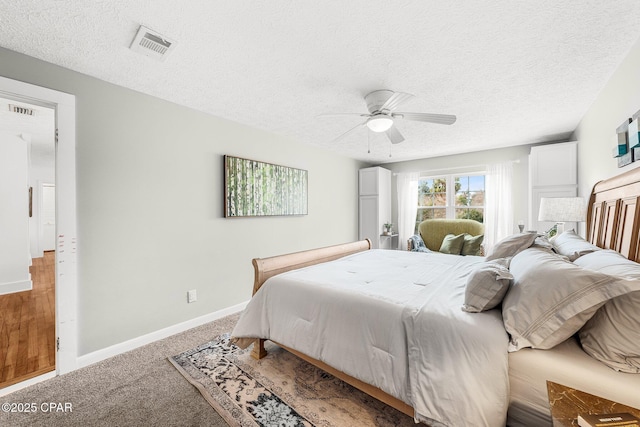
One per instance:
(613, 215)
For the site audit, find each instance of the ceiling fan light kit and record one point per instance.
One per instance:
(382, 115)
(380, 123)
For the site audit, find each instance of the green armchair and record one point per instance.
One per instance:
(433, 231)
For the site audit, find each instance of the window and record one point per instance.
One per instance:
(451, 196)
(469, 197)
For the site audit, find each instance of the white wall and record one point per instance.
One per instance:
(470, 162)
(15, 257)
(150, 206)
(150, 197)
(596, 133)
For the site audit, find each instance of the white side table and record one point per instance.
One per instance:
(389, 241)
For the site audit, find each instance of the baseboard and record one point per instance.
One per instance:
(114, 350)
(26, 383)
(13, 287)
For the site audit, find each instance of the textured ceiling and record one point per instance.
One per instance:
(38, 128)
(514, 72)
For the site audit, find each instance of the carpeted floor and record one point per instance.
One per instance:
(137, 388)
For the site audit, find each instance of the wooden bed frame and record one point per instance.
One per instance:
(267, 267)
(613, 221)
(613, 215)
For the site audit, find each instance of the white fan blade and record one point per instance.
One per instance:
(342, 114)
(394, 135)
(349, 131)
(442, 119)
(394, 100)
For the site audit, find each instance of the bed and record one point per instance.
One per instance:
(391, 323)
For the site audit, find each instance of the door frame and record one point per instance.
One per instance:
(66, 218)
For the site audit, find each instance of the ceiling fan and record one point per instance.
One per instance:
(382, 115)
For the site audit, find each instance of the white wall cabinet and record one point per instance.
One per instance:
(374, 205)
(552, 173)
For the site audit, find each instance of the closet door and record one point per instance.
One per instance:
(552, 173)
(374, 205)
(369, 220)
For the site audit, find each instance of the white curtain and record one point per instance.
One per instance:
(407, 186)
(498, 217)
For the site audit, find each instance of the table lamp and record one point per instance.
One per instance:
(561, 210)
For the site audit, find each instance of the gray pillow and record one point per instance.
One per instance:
(487, 285)
(551, 298)
(572, 245)
(510, 246)
(612, 335)
(452, 244)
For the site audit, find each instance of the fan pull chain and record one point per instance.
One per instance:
(368, 141)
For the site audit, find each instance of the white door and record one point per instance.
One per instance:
(369, 224)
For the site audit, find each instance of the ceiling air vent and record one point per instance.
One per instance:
(22, 110)
(151, 43)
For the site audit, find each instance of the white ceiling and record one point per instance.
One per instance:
(514, 72)
(38, 129)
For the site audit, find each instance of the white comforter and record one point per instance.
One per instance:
(393, 319)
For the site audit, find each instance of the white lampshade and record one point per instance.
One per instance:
(562, 209)
(380, 123)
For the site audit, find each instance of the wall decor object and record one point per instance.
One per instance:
(621, 150)
(254, 188)
(625, 159)
(634, 136)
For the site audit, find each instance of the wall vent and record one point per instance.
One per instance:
(151, 43)
(22, 110)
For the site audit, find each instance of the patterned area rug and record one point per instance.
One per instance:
(278, 390)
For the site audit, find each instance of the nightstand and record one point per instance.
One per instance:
(389, 241)
(566, 403)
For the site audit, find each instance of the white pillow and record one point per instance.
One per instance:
(544, 243)
(572, 245)
(612, 335)
(551, 298)
(487, 286)
(511, 245)
(609, 262)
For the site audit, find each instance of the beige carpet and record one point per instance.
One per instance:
(279, 390)
(137, 388)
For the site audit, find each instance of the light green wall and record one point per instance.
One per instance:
(150, 206)
(596, 133)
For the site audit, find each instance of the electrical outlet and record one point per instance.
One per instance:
(192, 296)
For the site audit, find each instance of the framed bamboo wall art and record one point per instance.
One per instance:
(254, 188)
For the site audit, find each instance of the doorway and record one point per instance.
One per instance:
(51, 233)
(27, 273)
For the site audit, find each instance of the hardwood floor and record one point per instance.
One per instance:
(27, 326)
